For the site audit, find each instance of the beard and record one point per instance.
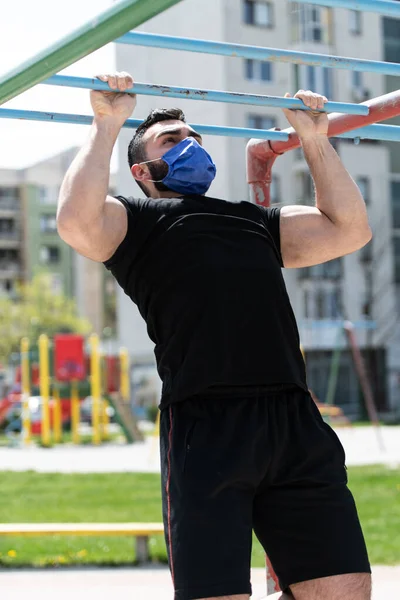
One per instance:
(158, 171)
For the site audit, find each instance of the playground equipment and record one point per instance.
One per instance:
(358, 121)
(62, 370)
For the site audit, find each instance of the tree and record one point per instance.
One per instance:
(35, 309)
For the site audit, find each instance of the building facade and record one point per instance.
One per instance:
(360, 287)
(29, 242)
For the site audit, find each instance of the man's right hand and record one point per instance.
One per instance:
(114, 106)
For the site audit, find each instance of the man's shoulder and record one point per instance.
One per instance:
(149, 203)
(189, 204)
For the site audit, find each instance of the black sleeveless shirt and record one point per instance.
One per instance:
(206, 276)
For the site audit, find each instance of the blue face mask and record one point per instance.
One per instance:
(190, 168)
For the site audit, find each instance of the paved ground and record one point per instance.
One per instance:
(360, 443)
(139, 584)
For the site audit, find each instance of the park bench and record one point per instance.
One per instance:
(140, 531)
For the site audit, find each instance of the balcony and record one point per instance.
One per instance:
(8, 202)
(327, 334)
(9, 270)
(10, 239)
(9, 207)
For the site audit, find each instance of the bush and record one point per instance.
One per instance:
(152, 412)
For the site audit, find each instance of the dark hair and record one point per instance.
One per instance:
(137, 148)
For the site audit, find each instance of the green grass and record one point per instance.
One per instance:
(36, 497)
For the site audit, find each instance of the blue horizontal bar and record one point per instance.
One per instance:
(378, 132)
(258, 53)
(33, 115)
(389, 133)
(383, 7)
(149, 89)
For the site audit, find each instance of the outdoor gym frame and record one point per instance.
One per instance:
(130, 13)
(358, 122)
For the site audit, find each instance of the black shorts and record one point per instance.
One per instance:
(267, 463)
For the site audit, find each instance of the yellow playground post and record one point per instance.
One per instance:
(75, 412)
(45, 388)
(125, 378)
(57, 424)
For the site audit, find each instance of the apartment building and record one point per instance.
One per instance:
(29, 242)
(362, 287)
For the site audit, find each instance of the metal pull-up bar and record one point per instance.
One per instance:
(242, 132)
(373, 132)
(382, 7)
(149, 89)
(169, 42)
(262, 155)
(98, 32)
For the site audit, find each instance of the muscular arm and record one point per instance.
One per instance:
(91, 222)
(88, 220)
(337, 196)
(337, 225)
(85, 186)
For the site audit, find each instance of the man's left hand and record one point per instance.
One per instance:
(310, 123)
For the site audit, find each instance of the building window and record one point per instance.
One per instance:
(258, 12)
(44, 194)
(356, 79)
(49, 255)
(333, 270)
(259, 70)
(306, 296)
(6, 287)
(310, 24)
(9, 259)
(358, 91)
(275, 189)
(7, 228)
(9, 197)
(327, 76)
(9, 192)
(355, 22)
(366, 253)
(322, 303)
(396, 248)
(391, 39)
(335, 303)
(48, 195)
(395, 196)
(48, 224)
(316, 79)
(311, 79)
(305, 193)
(364, 186)
(266, 71)
(261, 121)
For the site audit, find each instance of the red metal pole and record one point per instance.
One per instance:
(261, 155)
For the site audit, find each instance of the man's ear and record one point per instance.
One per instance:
(140, 172)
